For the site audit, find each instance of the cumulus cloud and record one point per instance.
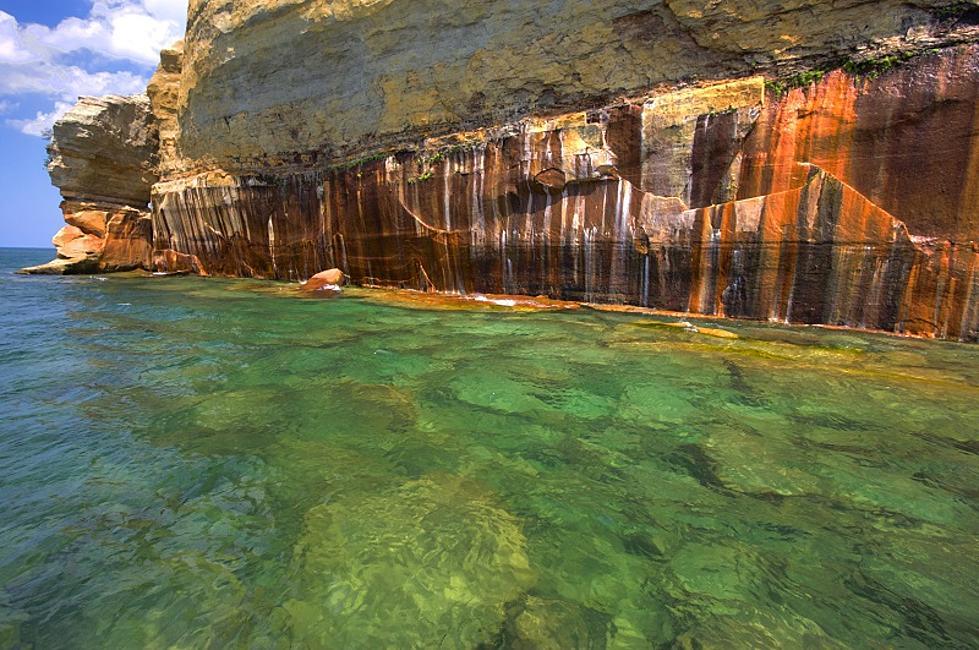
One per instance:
(40, 124)
(41, 60)
(67, 81)
(131, 30)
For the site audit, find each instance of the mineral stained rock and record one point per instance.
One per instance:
(630, 152)
(103, 160)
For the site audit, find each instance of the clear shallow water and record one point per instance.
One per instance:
(208, 463)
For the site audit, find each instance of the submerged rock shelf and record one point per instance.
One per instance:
(245, 467)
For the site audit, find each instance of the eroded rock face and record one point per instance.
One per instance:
(269, 82)
(100, 238)
(625, 152)
(104, 151)
(163, 92)
(103, 159)
(712, 200)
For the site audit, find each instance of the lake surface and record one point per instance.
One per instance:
(190, 463)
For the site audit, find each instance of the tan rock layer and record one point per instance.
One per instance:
(163, 92)
(270, 83)
(104, 150)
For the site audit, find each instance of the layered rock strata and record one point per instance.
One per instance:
(102, 157)
(614, 153)
(712, 199)
(296, 82)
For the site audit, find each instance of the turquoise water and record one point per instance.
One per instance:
(191, 463)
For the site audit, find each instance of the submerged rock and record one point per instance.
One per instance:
(535, 623)
(431, 563)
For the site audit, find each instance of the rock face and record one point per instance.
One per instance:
(163, 92)
(629, 152)
(104, 150)
(103, 156)
(267, 80)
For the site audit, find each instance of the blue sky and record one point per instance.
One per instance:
(52, 51)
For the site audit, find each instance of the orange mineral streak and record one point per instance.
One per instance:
(809, 125)
(779, 225)
(827, 254)
(941, 296)
(843, 204)
(128, 241)
(715, 229)
(907, 139)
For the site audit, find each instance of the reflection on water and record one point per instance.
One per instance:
(206, 463)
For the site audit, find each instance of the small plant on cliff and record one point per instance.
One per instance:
(875, 67)
(442, 154)
(804, 79)
(48, 135)
(870, 68)
(421, 178)
(360, 162)
(434, 159)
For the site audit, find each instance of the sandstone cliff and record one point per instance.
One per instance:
(265, 80)
(102, 158)
(637, 151)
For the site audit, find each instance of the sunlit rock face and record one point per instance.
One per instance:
(163, 92)
(908, 140)
(715, 199)
(104, 150)
(269, 82)
(623, 152)
(102, 158)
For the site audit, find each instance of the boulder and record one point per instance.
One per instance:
(331, 279)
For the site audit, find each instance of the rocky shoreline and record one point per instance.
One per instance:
(838, 187)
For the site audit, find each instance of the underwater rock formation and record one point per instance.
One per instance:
(473, 551)
(619, 153)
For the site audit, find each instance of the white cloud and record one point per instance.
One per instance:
(41, 123)
(37, 59)
(131, 30)
(67, 82)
